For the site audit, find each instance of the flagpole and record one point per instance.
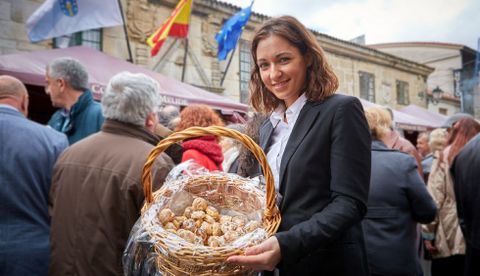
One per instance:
(228, 64)
(125, 31)
(186, 43)
(185, 59)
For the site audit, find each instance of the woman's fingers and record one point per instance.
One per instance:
(257, 262)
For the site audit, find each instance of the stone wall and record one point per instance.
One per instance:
(13, 34)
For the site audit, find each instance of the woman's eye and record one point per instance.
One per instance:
(263, 66)
(284, 60)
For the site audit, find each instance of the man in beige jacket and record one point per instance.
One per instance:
(97, 189)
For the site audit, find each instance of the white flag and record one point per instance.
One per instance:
(60, 17)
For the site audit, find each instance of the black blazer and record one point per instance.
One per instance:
(324, 181)
(466, 173)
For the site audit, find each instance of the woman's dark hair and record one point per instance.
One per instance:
(321, 82)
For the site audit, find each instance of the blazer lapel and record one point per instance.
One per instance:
(265, 133)
(305, 119)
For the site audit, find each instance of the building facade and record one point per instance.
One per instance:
(454, 73)
(362, 71)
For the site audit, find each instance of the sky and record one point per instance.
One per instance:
(382, 21)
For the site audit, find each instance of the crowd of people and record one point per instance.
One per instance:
(355, 197)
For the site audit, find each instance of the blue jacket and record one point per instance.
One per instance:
(398, 199)
(85, 118)
(28, 152)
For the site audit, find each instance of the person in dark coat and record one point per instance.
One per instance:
(466, 174)
(28, 152)
(97, 189)
(318, 146)
(397, 201)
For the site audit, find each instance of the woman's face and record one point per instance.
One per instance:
(283, 68)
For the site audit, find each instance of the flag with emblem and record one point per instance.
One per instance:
(230, 33)
(55, 18)
(175, 25)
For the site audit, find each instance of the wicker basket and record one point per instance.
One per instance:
(209, 260)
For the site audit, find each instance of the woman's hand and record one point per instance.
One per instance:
(429, 246)
(264, 256)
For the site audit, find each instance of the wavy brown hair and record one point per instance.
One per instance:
(199, 115)
(320, 81)
(462, 131)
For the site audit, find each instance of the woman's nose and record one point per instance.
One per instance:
(275, 72)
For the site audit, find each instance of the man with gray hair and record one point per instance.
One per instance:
(97, 190)
(67, 85)
(28, 153)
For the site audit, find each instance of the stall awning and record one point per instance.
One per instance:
(422, 113)
(30, 69)
(406, 121)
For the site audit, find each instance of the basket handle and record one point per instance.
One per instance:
(271, 210)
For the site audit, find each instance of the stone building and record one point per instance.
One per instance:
(364, 72)
(454, 70)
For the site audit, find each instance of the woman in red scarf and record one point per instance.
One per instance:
(204, 150)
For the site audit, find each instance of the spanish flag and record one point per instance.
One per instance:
(176, 25)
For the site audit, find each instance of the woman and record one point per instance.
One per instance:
(397, 201)
(205, 150)
(318, 147)
(443, 237)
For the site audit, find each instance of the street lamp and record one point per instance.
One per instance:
(436, 95)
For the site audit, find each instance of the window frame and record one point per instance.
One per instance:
(370, 93)
(402, 92)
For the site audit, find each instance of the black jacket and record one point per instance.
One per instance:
(324, 179)
(466, 173)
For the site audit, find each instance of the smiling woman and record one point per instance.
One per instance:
(318, 147)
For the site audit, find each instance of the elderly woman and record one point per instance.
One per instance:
(398, 200)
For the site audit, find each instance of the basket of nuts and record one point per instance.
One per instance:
(198, 219)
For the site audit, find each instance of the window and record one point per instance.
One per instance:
(90, 38)
(442, 111)
(245, 67)
(367, 86)
(402, 93)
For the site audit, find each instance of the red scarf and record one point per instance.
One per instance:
(207, 145)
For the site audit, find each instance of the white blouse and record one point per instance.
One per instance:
(281, 134)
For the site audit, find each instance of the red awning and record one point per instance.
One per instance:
(30, 69)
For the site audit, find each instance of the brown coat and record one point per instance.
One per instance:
(96, 197)
(445, 228)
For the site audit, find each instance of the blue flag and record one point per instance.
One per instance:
(230, 33)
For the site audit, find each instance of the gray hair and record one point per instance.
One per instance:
(130, 98)
(70, 70)
(167, 114)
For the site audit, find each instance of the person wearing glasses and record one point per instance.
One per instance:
(67, 85)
